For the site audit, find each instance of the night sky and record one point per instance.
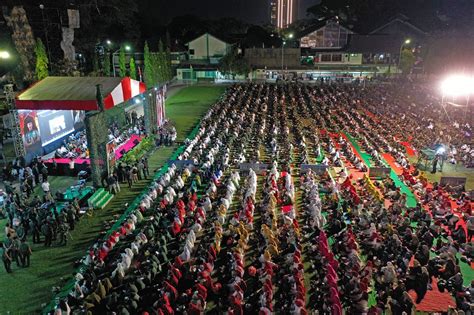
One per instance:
(251, 11)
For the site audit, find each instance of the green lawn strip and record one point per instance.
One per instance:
(24, 290)
(411, 199)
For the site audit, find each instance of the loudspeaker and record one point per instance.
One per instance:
(123, 152)
(136, 141)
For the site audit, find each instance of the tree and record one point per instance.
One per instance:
(107, 64)
(161, 61)
(407, 59)
(169, 68)
(95, 64)
(122, 62)
(133, 69)
(41, 70)
(234, 63)
(148, 64)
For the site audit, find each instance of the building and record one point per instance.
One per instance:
(273, 12)
(208, 47)
(331, 50)
(203, 56)
(283, 12)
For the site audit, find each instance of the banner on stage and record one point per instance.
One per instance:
(160, 107)
(258, 168)
(452, 181)
(379, 172)
(317, 168)
(111, 160)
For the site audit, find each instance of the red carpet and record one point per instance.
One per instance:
(408, 148)
(391, 161)
(434, 301)
(127, 146)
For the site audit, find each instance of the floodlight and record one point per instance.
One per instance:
(4, 55)
(458, 85)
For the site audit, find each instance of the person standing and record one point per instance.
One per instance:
(47, 191)
(48, 234)
(25, 253)
(146, 170)
(129, 176)
(71, 167)
(141, 167)
(435, 164)
(35, 230)
(111, 184)
(44, 171)
(7, 260)
(135, 173)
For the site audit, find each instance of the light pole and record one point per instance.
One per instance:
(45, 29)
(127, 48)
(405, 42)
(290, 36)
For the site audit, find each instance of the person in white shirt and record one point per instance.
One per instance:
(47, 191)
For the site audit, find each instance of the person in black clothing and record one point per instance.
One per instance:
(7, 260)
(421, 285)
(25, 253)
(34, 226)
(435, 164)
(48, 234)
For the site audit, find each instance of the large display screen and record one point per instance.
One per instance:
(55, 124)
(42, 127)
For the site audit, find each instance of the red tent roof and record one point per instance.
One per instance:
(67, 93)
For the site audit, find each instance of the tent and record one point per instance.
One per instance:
(78, 93)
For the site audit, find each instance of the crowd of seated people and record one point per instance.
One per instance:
(75, 146)
(210, 238)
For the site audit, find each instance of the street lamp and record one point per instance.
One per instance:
(290, 36)
(4, 55)
(405, 42)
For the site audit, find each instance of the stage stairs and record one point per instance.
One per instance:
(100, 199)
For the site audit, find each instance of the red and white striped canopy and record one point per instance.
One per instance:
(78, 93)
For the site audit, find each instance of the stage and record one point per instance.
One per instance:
(82, 164)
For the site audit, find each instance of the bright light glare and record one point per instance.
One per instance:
(440, 151)
(128, 48)
(408, 41)
(458, 85)
(290, 36)
(4, 55)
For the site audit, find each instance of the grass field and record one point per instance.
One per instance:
(25, 290)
